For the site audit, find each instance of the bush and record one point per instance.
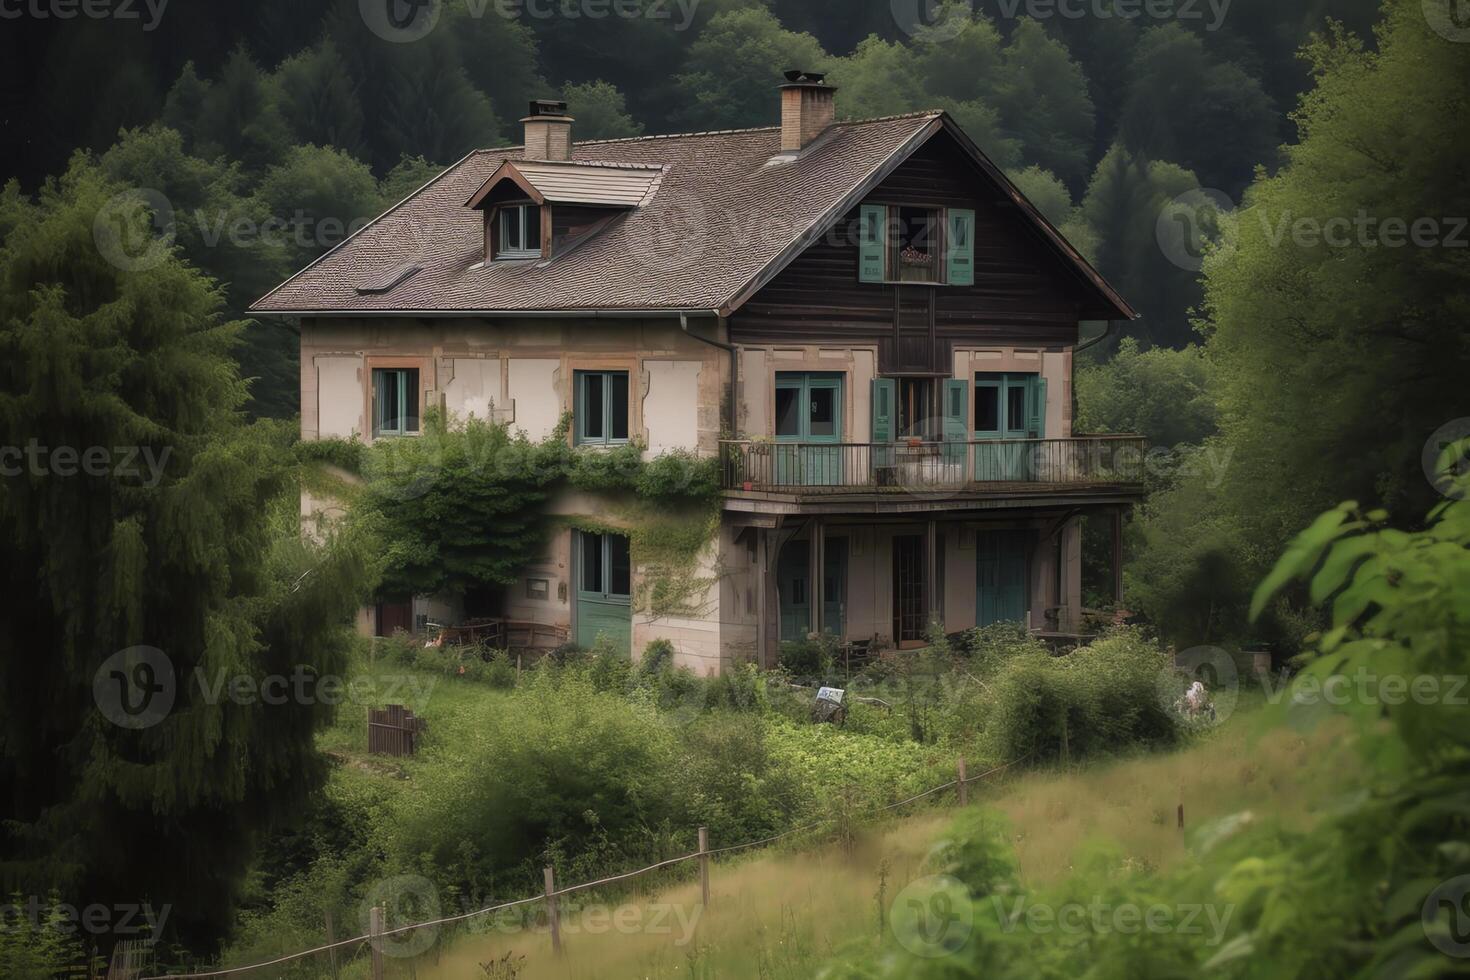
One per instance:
(658, 657)
(1099, 699)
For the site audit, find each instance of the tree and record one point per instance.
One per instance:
(1163, 394)
(735, 65)
(240, 118)
(600, 111)
(1044, 104)
(1187, 106)
(137, 517)
(314, 93)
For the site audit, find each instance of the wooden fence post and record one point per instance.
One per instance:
(375, 940)
(331, 940)
(704, 863)
(551, 918)
(964, 790)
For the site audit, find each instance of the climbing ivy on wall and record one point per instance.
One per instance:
(465, 505)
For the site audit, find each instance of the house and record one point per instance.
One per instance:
(865, 321)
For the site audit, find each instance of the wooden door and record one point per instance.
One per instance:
(908, 590)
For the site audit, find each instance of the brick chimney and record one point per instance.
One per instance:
(548, 131)
(806, 108)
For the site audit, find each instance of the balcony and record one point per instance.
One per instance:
(1082, 465)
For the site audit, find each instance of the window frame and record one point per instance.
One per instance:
(604, 566)
(528, 234)
(939, 222)
(580, 414)
(408, 392)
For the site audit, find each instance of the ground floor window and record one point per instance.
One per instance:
(395, 401)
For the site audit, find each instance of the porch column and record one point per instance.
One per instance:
(1117, 535)
(815, 562)
(762, 597)
(932, 602)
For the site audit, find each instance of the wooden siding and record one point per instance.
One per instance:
(1024, 293)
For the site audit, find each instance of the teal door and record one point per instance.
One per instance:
(1001, 576)
(604, 577)
(808, 410)
(1009, 408)
(793, 586)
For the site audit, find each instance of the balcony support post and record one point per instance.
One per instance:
(931, 573)
(762, 597)
(816, 561)
(1117, 542)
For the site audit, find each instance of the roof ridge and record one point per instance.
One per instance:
(915, 114)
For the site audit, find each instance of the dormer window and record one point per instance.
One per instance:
(518, 235)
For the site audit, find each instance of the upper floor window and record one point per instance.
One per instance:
(898, 243)
(395, 401)
(519, 232)
(601, 411)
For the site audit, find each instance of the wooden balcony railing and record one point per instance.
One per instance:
(931, 467)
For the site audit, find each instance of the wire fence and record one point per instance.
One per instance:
(378, 932)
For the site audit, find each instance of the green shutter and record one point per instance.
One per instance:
(960, 264)
(885, 397)
(870, 243)
(1036, 408)
(956, 411)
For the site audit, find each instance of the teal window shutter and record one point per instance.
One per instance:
(1036, 408)
(885, 396)
(960, 257)
(870, 242)
(956, 411)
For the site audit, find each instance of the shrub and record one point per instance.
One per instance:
(657, 658)
(1101, 698)
(988, 647)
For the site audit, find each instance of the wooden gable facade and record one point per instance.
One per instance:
(1025, 292)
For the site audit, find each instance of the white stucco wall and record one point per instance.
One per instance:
(669, 409)
(533, 395)
(473, 387)
(339, 398)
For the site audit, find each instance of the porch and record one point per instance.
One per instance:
(885, 577)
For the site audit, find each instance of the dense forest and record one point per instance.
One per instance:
(1277, 370)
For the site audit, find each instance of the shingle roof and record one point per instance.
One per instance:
(568, 182)
(727, 210)
(721, 213)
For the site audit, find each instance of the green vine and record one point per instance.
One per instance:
(665, 544)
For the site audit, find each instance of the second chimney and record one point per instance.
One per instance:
(548, 131)
(806, 108)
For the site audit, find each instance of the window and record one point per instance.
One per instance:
(916, 253)
(395, 401)
(602, 406)
(519, 232)
(1009, 406)
(914, 415)
(607, 567)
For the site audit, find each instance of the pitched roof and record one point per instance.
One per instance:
(724, 212)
